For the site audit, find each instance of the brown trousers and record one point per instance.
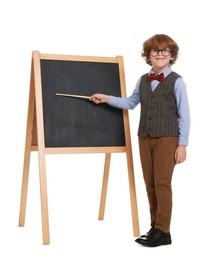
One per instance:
(158, 161)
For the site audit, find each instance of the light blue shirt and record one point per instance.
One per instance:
(181, 100)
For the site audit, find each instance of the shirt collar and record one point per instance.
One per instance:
(166, 72)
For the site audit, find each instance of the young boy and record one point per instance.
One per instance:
(163, 130)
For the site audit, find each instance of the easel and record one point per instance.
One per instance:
(35, 142)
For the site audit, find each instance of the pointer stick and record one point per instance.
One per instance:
(69, 95)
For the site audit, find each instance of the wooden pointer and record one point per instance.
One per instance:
(69, 95)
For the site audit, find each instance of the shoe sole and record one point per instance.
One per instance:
(144, 243)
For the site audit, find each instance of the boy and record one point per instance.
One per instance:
(163, 130)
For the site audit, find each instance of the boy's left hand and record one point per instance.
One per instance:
(180, 154)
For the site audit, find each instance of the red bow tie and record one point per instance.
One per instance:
(156, 77)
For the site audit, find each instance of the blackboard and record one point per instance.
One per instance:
(74, 122)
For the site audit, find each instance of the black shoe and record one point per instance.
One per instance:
(155, 238)
(149, 232)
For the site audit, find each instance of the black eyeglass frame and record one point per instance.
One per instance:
(168, 50)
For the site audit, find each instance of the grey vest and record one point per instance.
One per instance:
(158, 108)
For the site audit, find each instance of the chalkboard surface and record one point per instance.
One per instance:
(74, 122)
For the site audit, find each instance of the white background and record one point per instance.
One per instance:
(103, 28)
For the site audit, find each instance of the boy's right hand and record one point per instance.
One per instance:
(99, 98)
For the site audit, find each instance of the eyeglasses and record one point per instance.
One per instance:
(165, 52)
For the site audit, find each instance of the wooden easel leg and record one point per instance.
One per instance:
(133, 198)
(44, 199)
(41, 147)
(24, 189)
(28, 143)
(104, 186)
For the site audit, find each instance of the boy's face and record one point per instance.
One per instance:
(160, 59)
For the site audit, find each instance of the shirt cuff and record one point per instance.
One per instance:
(183, 140)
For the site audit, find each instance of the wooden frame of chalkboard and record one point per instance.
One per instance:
(64, 125)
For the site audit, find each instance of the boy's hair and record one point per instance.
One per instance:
(160, 41)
